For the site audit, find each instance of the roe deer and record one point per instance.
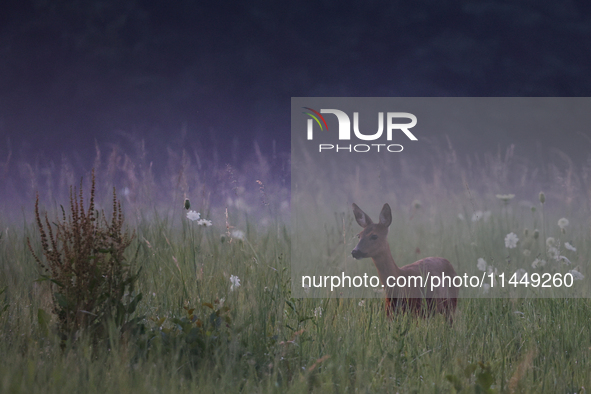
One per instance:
(421, 301)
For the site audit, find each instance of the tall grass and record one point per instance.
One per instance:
(257, 337)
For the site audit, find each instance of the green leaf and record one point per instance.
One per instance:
(485, 379)
(457, 383)
(291, 305)
(303, 319)
(133, 304)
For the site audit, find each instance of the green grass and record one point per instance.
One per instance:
(201, 336)
(275, 343)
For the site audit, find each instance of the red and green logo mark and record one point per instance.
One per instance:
(315, 116)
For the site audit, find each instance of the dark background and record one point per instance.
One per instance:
(204, 74)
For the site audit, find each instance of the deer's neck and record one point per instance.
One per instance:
(385, 265)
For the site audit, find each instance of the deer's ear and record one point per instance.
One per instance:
(386, 216)
(361, 217)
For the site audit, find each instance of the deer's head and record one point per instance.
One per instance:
(373, 239)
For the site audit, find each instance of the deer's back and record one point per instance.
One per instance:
(429, 267)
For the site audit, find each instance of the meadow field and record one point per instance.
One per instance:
(218, 311)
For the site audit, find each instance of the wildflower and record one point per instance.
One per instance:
(505, 197)
(204, 222)
(318, 312)
(460, 217)
(526, 252)
(576, 275)
(481, 264)
(485, 288)
(570, 247)
(550, 242)
(307, 288)
(235, 282)
(562, 223)
(536, 234)
(554, 253)
(511, 240)
(564, 259)
(520, 273)
(238, 234)
(192, 215)
(361, 303)
(537, 263)
(476, 216)
(542, 197)
(187, 204)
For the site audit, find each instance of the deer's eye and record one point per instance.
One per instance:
(373, 237)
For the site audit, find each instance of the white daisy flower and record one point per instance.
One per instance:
(192, 215)
(476, 216)
(511, 240)
(570, 247)
(576, 275)
(481, 264)
(204, 222)
(235, 282)
(238, 234)
(505, 197)
(537, 263)
(562, 223)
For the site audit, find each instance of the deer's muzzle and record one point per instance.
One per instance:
(357, 254)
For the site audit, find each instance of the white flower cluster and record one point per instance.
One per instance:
(235, 282)
(476, 216)
(192, 215)
(511, 241)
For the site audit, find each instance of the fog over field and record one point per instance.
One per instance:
(195, 284)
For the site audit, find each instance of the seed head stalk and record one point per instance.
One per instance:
(542, 201)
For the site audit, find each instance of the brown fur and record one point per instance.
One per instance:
(421, 302)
